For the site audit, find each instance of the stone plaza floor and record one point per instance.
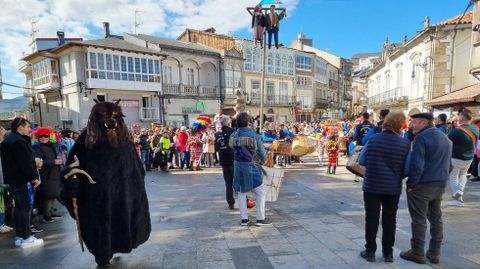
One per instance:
(318, 222)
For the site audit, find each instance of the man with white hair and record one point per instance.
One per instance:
(226, 156)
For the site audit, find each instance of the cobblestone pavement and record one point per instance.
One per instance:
(317, 223)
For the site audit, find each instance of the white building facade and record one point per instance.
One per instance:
(279, 96)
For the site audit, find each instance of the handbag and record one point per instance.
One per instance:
(352, 163)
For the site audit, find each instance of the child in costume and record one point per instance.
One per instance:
(332, 149)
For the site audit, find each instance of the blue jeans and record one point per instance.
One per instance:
(145, 156)
(185, 159)
(274, 32)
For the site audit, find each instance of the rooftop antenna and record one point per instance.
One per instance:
(137, 24)
(34, 30)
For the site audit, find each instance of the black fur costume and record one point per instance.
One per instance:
(114, 214)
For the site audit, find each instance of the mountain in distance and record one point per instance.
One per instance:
(18, 104)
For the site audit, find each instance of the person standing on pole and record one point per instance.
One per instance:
(273, 25)
(258, 25)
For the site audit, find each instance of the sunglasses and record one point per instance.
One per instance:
(43, 136)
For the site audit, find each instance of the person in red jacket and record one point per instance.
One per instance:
(184, 148)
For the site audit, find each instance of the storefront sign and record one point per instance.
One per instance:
(198, 108)
(128, 103)
(305, 110)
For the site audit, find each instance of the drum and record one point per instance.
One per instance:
(281, 148)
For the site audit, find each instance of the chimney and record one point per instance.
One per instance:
(405, 39)
(106, 28)
(61, 37)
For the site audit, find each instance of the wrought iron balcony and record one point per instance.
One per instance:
(391, 97)
(181, 90)
(273, 100)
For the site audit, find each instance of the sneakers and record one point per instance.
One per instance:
(455, 203)
(56, 217)
(244, 222)
(31, 242)
(410, 256)
(47, 220)
(433, 258)
(475, 179)
(368, 255)
(457, 196)
(35, 230)
(288, 166)
(231, 207)
(18, 241)
(264, 222)
(5, 229)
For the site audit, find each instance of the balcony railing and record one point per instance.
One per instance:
(149, 114)
(188, 90)
(273, 100)
(389, 97)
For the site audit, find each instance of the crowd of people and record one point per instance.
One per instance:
(430, 152)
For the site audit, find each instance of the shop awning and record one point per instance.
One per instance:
(465, 95)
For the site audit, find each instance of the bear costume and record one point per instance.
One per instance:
(113, 213)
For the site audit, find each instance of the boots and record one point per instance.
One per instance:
(433, 257)
(328, 171)
(409, 255)
(334, 169)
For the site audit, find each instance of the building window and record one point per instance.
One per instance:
(144, 66)
(229, 80)
(108, 60)
(270, 91)
(248, 59)
(270, 63)
(278, 64)
(290, 66)
(150, 66)
(255, 61)
(304, 81)
(123, 61)
(190, 77)
(255, 84)
(305, 101)
(130, 64)
(101, 61)
(116, 65)
(157, 67)
(284, 65)
(304, 62)
(399, 83)
(283, 92)
(45, 72)
(167, 74)
(93, 60)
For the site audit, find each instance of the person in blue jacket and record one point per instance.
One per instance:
(385, 159)
(429, 172)
(377, 129)
(268, 135)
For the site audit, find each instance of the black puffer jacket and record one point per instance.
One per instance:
(18, 161)
(50, 173)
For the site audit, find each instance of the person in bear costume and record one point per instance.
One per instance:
(113, 213)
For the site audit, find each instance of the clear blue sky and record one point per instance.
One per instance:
(346, 27)
(343, 27)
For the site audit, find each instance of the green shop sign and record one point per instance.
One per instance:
(199, 108)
